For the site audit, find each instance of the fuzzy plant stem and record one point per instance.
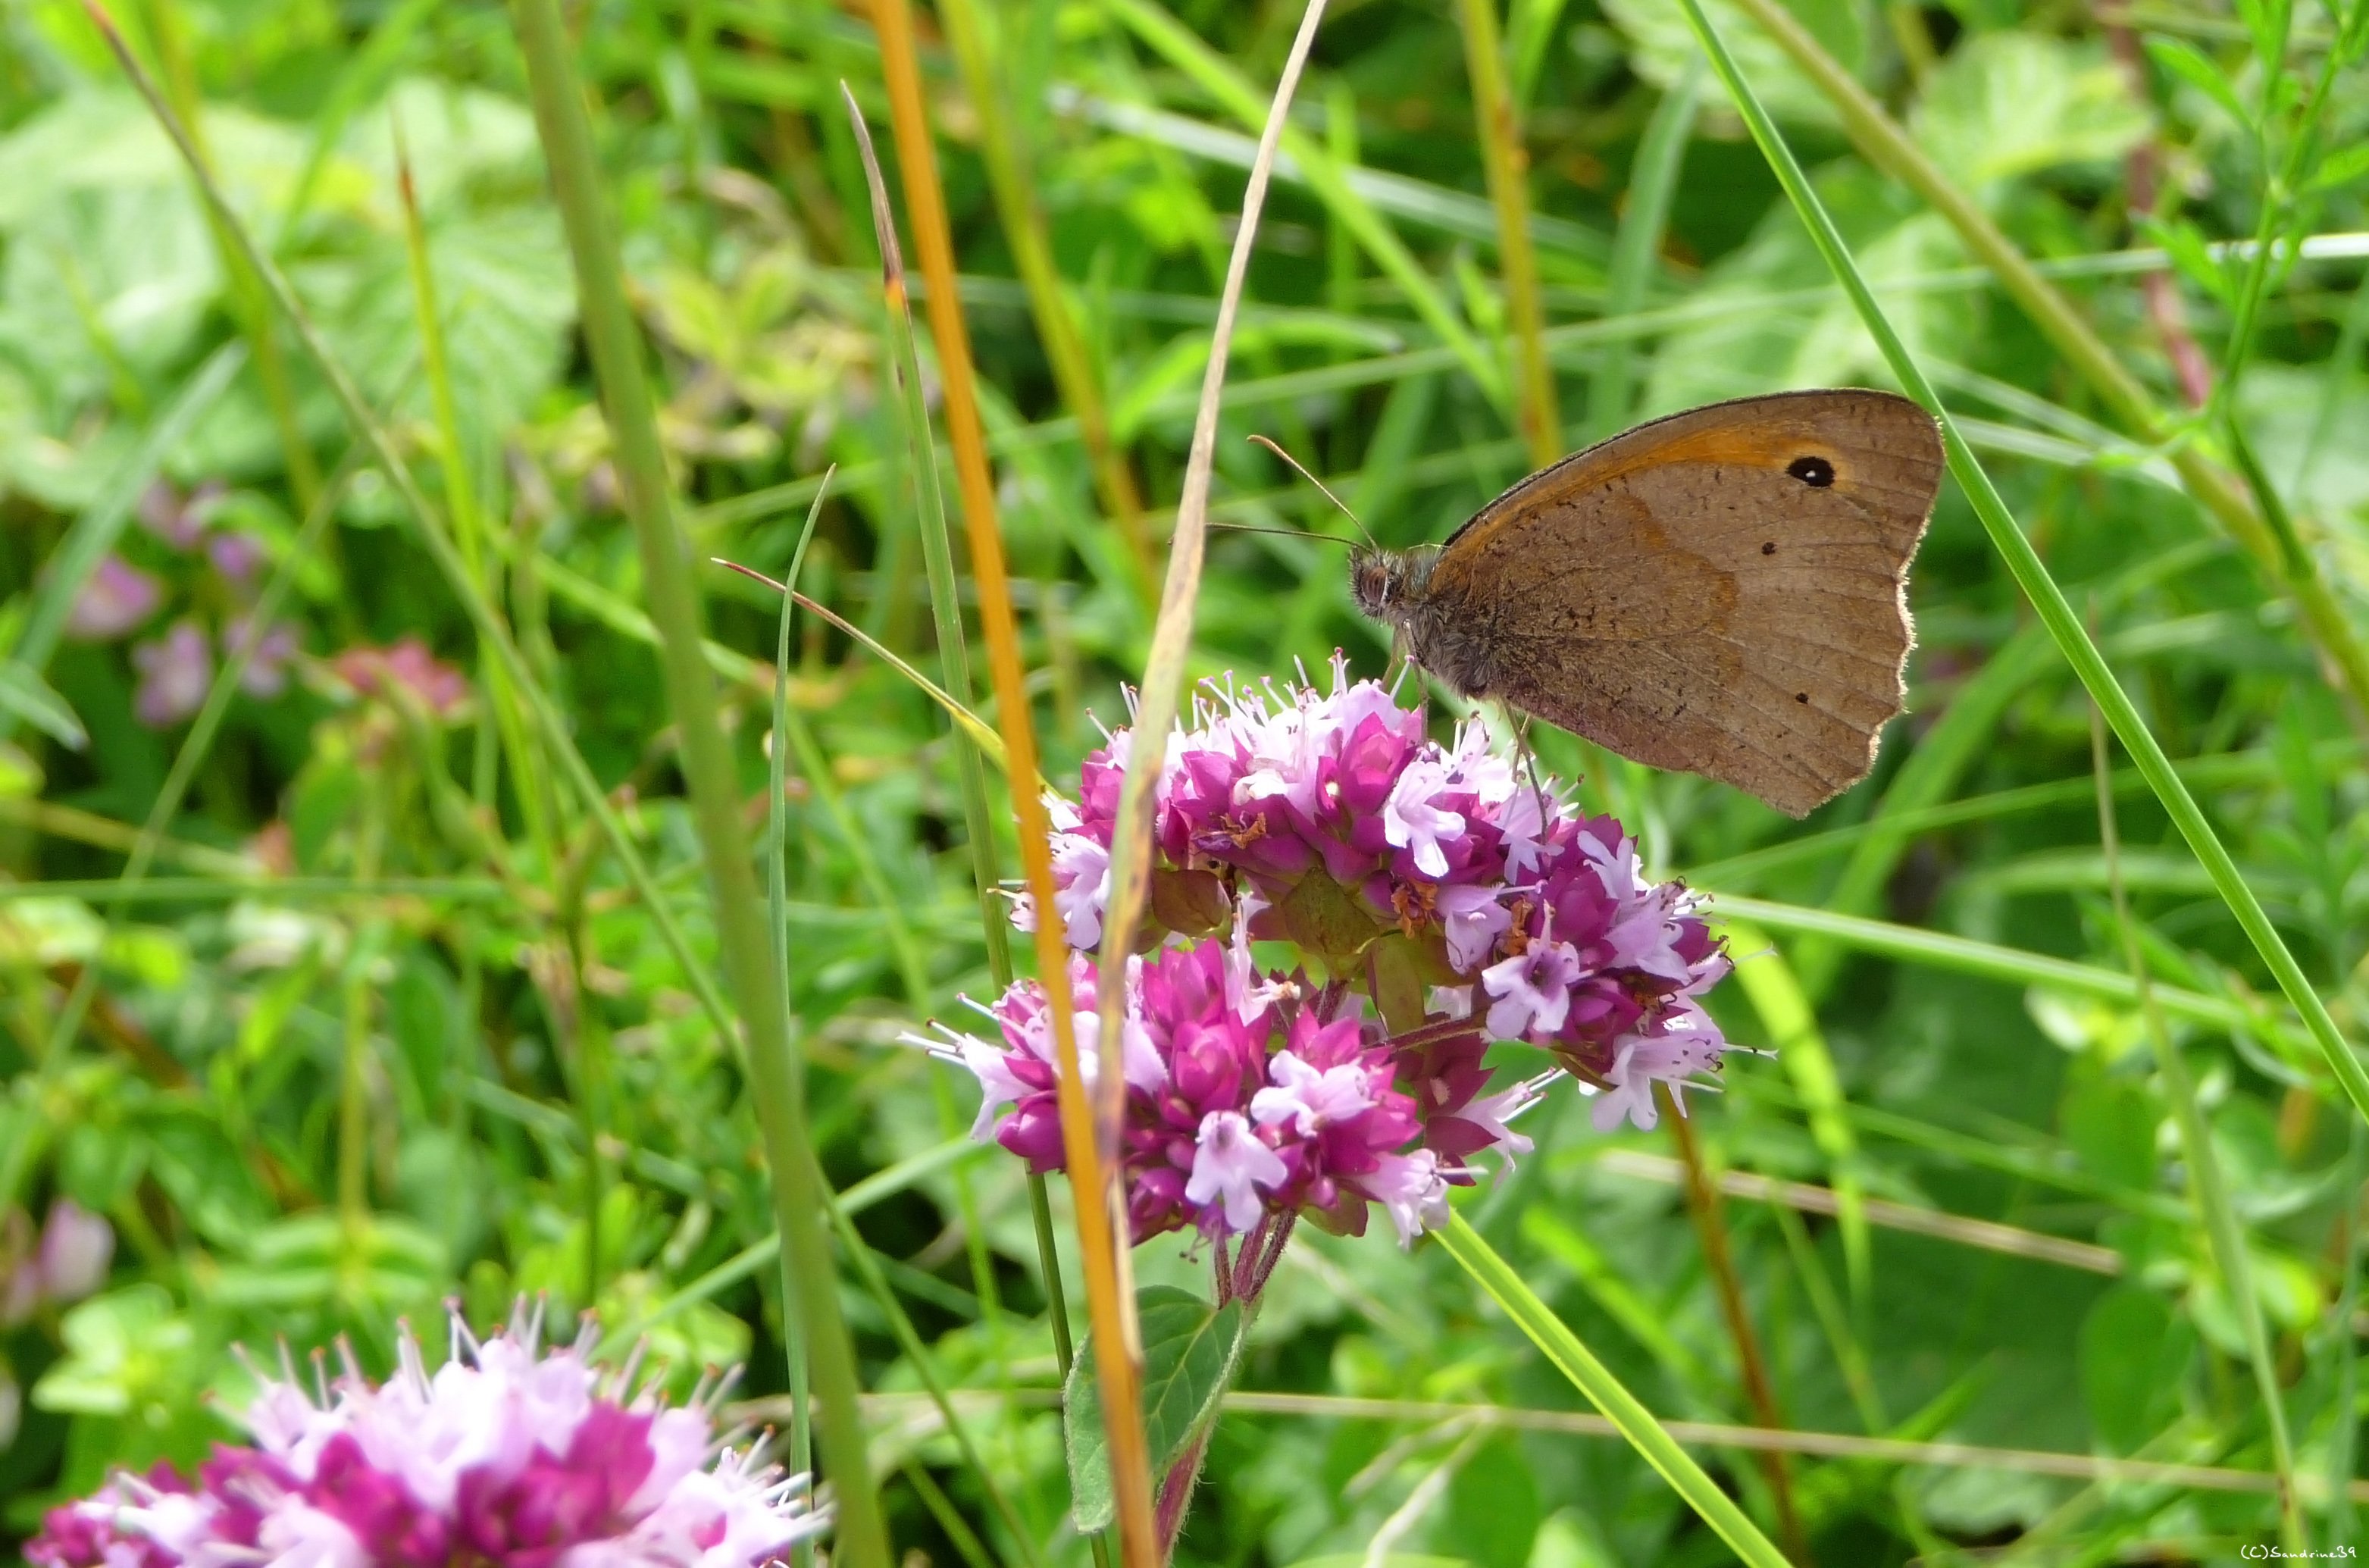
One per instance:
(860, 1538)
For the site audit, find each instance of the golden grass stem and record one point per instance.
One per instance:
(1506, 161)
(1101, 1232)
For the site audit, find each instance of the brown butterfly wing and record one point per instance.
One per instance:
(1685, 596)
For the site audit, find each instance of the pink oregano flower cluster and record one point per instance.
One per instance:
(1438, 899)
(508, 1456)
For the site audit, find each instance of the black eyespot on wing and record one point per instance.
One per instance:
(1769, 548)
(1815, 472)
(1801, 696)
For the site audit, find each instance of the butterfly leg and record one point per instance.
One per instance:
(1519, 722)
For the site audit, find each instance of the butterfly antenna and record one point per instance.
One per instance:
(1299, 468)
(1278, 532)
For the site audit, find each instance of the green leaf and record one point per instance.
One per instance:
(2008, 104)
(1188, 1351)
(1492, 1505)
(2185, 61)
(25, 695)
(1327, 920)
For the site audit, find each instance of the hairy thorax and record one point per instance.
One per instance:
(1438, 631)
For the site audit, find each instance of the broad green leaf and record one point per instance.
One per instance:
(1187, 1352)
(2008, 104)
(1492, 1505)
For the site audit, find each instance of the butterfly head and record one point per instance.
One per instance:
(1384, 581)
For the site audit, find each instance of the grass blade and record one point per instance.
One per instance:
(1775, 992)
(1652, 180)
(2009, 965)
(1591, 1377)
(800, 1456)
(860, 1537)
(2032, 574)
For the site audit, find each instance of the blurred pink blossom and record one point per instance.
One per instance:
(175, 671)
(116, 601)
(406, 663)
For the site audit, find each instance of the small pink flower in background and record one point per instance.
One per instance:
(407, 664)
(175, 671)
(68, 1261)
(266, 675)
(508, 1456)
(237, 556)
(179, 521)
(118, 600)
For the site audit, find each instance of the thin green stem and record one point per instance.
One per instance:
(2032, 574)
(800, 1456)
(708, 768)
(1592, 1379)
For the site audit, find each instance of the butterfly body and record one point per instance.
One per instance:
(1721, 592)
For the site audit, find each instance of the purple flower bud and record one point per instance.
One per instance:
(266, 675)
(117, 598)
(175, 672)
(237, 556)
(76, 1247)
